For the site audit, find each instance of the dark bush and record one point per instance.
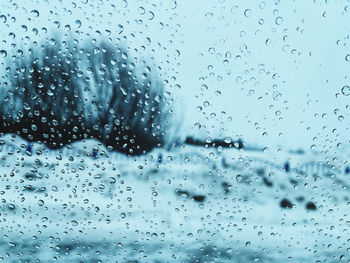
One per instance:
(285, 203)
(61, 91)
(310, 206)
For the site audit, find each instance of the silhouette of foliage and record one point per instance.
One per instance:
(215, 143)
(60, 92)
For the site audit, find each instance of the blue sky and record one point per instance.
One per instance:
(286, 62)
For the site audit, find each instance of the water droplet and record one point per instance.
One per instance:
(209, 15)
(173, 5)
(262, 5)
(120, 29)
(218, 93)
(346, 90)
(78, 23)
(3, 19)
(150, 15)
(141, 10)
(279, 20)
(247, 13)
(3, 53)
(227, 140)
(35, 13)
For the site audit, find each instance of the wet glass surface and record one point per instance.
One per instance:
(174, 131)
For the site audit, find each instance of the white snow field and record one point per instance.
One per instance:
(196, 205)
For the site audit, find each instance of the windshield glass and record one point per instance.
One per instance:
(174, 131)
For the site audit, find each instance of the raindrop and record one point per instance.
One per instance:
(346, 90)
(177, 86)
(234, 9)
(262, 5)
(3, 53)
(218, 93)
(209, 15)
(227, 140)
(35, 13)
(173, 5)
(120, 29)
(204, 87)
(247, 13)
(141, 10)
(150, 15)
(3, 18)
(279, 20)
(78, 23)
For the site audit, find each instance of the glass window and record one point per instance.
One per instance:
(174, 131)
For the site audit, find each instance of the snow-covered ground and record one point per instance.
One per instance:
(196, 205)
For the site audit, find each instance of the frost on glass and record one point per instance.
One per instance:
(174, 131)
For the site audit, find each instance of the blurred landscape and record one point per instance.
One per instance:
(190, 204)
(170, 131)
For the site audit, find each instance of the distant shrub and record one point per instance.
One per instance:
(62, 91)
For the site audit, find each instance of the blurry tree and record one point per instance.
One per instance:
(62, 91)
